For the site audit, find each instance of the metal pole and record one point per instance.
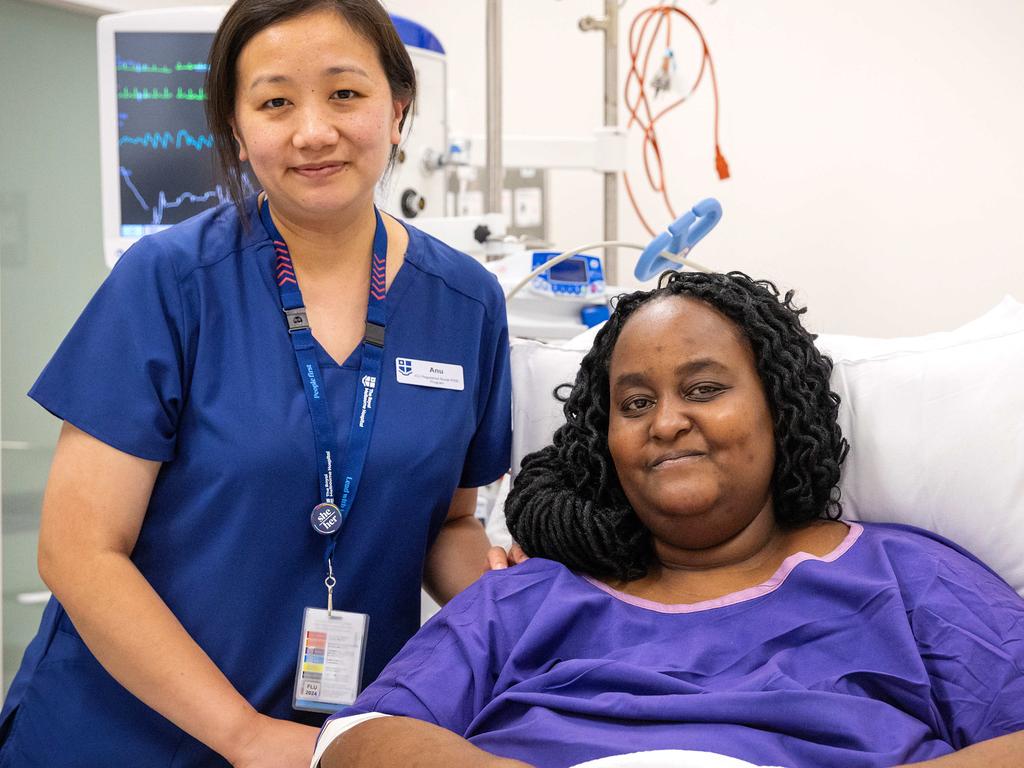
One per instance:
(611, 118)
(610, 26)
(495, 170)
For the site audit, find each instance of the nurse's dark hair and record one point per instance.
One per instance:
(247, 18)
(566, 503)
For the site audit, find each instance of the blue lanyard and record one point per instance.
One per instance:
(330, 514)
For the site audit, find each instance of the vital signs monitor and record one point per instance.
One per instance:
(157, 163)
(158, 166)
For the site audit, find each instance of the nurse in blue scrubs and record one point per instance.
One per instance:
(295, 351)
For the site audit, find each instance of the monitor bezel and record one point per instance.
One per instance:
(204, 19)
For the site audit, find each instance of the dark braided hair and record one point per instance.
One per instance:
(567, 504)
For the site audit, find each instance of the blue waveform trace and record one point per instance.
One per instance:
(166, 138)
(163, 203)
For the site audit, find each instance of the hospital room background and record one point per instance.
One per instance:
(874, 154)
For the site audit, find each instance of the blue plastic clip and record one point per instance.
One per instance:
(683, 234)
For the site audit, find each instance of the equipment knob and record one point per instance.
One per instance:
(412, 203)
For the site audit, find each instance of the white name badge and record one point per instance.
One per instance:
(423, 373)
(330, 666)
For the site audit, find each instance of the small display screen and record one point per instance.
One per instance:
(569, 271)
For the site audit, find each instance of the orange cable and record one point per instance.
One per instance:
(650, 144)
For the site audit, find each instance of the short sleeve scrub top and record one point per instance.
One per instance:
(183, 357)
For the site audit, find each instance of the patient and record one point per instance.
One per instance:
(691, 586)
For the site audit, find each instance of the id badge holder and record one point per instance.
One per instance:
(331, 652)
(330, 664)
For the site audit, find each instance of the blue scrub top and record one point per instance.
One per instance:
(183, 357)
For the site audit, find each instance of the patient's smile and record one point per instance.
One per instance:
(677, 459)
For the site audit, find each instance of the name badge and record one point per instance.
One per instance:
(330, 660)
(424, 373)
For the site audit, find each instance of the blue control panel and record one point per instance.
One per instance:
(578, 276)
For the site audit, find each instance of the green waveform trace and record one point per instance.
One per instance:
(159, 69)
(145, 94)
(148, 69)
(190, 95)
(161, 94)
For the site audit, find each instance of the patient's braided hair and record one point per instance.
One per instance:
(566, 503)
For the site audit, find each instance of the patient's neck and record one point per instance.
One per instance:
(680, 574)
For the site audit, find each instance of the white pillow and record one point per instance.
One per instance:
(935, 424)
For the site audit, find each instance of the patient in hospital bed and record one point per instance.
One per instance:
(692, 593)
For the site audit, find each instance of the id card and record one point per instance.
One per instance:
(424, 373)
(330, 664)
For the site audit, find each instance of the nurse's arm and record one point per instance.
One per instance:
(95, 501)
(1000, 752)
(459, 555)
(389, 741)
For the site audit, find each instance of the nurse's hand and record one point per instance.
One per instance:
(497, 558)
(277, 744)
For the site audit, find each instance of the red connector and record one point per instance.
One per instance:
(720, 165)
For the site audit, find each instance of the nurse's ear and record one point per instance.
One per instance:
(399, 106)
(243, 155)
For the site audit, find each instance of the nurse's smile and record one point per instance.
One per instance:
(320, 170)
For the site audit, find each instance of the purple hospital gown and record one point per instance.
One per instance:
(896, 647)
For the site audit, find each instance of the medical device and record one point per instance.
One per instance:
(156, 150)
(574, 277)
(669, 249)
(561, 304)
(416, 188)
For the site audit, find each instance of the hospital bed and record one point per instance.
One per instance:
(936, 427)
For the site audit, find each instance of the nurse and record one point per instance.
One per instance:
(276, 404)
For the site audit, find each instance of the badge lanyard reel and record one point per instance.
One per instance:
(333, 643)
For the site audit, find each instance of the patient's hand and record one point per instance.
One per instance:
(498, 559)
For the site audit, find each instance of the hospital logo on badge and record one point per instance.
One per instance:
(428, 373)
(369, 382)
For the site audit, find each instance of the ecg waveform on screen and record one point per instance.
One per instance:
(161, 94)
(163, 203)
(166, 139)
(142, 68)
(166, 168)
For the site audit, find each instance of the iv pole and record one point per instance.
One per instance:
(609, 24)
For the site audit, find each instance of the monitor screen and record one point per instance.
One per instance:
(569, 271)
(165, 150)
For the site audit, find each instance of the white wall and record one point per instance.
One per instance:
(871, 143)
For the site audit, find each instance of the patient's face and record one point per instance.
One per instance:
(689, 427)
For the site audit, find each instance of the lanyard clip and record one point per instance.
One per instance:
(329, 582)
(374, 334)
(296, 319)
